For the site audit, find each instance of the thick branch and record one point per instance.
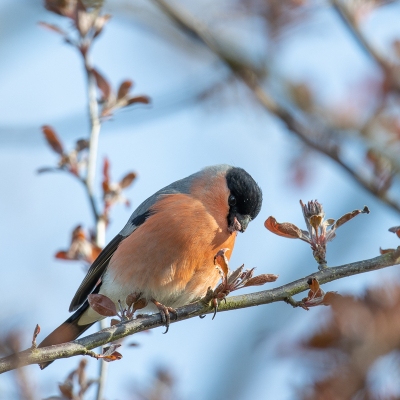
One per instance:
(248, 74)
(283, 293)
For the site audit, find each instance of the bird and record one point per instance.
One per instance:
(165, 252)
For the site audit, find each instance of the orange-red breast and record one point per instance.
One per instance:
(166, 250)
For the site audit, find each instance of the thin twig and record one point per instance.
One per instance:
(123, 329)
(350, 22)
(250, 76)
(100, 233)
(95, 127)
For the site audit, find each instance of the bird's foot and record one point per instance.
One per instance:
(216, 296)
(165, 313)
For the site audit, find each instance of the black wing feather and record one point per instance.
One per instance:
(95, 272)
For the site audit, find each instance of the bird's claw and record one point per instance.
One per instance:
(165, 313)
(216, 300)
(215, 297)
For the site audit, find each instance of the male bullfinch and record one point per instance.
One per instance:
(166, 250)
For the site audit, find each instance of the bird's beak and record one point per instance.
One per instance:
(244, 222)
(239, 223)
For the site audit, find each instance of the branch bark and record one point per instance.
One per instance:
(84, 345)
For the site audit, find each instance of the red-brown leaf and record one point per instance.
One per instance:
(314, 284)
(396, 230)
(384, 251)
(81, 144)
(62, 255)
(347, 217)
(112, 357)
(102, 305)
(131, 298)
(260, 280)
(102, 84)
(221, 259)
(139, 304)
(57, 6)
(330, 297)
(124, 89)
(52, 139)
(109, 353)
(106, 167)
(114, 322)
(285, 229)
(67, 389)
(138, 99)
(53, 28)
(127, 180)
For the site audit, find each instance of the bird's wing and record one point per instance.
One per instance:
(95, 272)
(137, 218)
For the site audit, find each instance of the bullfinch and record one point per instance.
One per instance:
(165, 252)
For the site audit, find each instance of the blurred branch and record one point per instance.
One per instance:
(94, 135)
(100, 232)
(350, 22)
(318, 139)
(84, 345)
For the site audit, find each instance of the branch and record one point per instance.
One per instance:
(283, 293)
(94, 136)
(89, 182)
(249, 75)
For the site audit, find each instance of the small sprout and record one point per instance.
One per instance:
(112, 191)
(106, 307)
(35, 334)
(385, 251)
(316, 296)
(73, 162)
(81, 249)
(396, 230)
(319, 231)
(102, 84)
(109, 353)
(233, 280)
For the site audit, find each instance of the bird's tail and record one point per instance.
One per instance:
(69, 330)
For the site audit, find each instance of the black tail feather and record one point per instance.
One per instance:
(66, 332)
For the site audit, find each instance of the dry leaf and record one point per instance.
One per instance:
(102, 84)
(285, 229)
(260, 280)
(124, 89)
(52, 139)
(127, 180)
(139, 99)
(53, 28)
(102, 305)
(347, 217)
(222, 261)
(382, 251)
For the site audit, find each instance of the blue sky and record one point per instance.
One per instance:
(42, 82)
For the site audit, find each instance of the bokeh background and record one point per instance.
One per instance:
(305, 56)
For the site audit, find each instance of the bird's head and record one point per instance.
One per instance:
(244, 201)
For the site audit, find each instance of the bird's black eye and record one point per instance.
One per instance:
(232, 200)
